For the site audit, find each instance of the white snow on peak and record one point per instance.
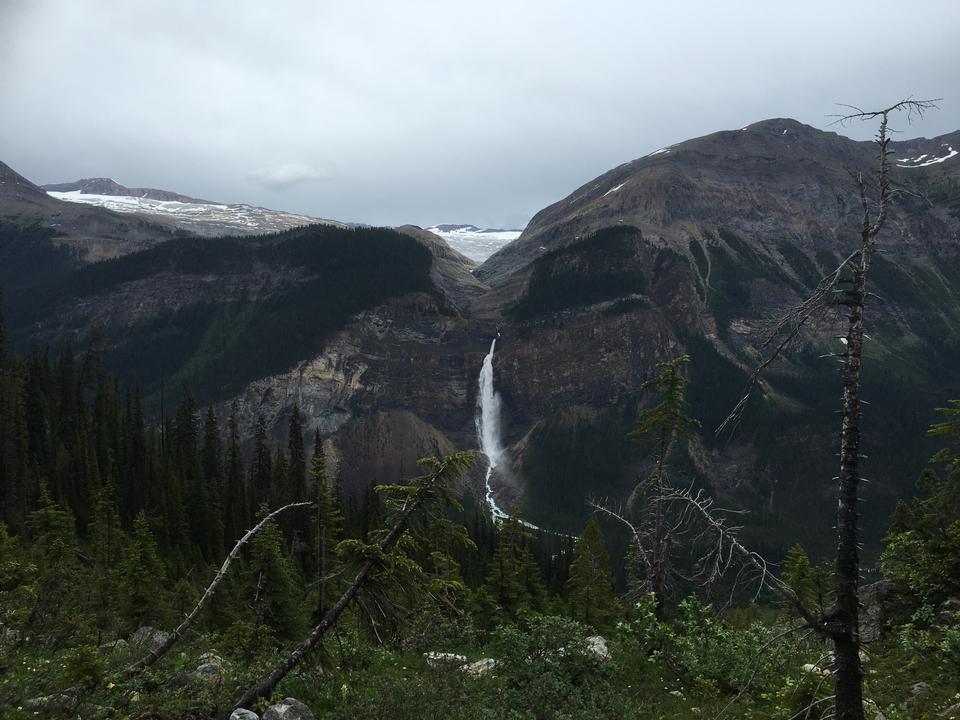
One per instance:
(201, 218)
(476, 243)
(919, 162)
(784, 131)
(613, 190)
(657, 152)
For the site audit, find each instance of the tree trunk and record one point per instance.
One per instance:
(844, 627)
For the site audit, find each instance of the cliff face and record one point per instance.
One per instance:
(379, 335)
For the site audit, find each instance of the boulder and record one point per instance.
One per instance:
(597, 646)
(438, 660)
(148, 637)
(210, 659)
(480, 667)
(289, 709)
(207, 671)
(241, 714)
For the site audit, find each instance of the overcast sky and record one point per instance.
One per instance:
(426, 112)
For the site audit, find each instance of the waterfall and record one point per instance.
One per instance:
(488, 428)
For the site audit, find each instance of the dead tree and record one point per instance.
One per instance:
(846, 287)
(426, 489)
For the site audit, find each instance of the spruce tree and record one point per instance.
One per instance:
(326, 527)
(143, 583)
(261, 469)
(298, 459)
(592, 599)
(236, 515)
(213, 477)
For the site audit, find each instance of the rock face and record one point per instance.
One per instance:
(241, 714)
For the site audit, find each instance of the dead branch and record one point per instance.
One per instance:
(726, 550)
(152, 657)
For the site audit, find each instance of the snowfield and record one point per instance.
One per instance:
(476, 243)
(201, 218)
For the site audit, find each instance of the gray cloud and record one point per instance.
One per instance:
(282, 176)
(431, 112)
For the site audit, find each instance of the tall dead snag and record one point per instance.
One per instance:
(425, 490)
(849, 282)
(152, 657)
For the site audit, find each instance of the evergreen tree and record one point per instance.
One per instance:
(798, 574)
(143, 584)
(236, 516)
(592, 599)
(513, 580)
(296, 490)
(261, 469)
(326, 527)
(274, 587)
(212, 461)
(665, 422)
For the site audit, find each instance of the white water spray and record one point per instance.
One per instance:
(488, 428)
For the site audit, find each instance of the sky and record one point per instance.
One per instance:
(436, 112)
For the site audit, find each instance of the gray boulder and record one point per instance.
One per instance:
(148, 637)
(241, 714)
(289, 709)
(438, 660)
(597, 646)
(113, 646)
(480, 667)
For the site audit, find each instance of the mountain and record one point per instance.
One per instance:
(379, 335)
(694, 248)
(198, 217)
(476, 243)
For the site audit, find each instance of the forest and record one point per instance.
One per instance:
(114, 523)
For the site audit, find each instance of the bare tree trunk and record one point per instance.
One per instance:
(844, 627)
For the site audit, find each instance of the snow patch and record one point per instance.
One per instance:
(613, 190)
(199, 217)
(916, 162)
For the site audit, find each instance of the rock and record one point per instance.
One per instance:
(919, 688)
(480, 667)
(241, 714)
(109, 647)
(289, 709)
(207, 671)
(149, 637)
(210, 659)
(597, 646)
(437, 660)
(881, 605)
(815, 670)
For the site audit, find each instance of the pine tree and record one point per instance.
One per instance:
(261, 469)
(665, 422)
(274, 587)
(236, 516)
(298, 459)
(212, 462)
(326, 527)
(592, 599)
(798, 574)
(513, 575)
(143, 584)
